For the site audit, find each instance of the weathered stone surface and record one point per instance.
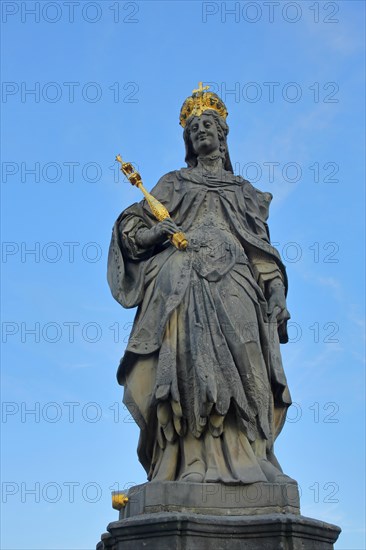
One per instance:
(183, 531)
(195, 516)
(202, 369)
(212, 499)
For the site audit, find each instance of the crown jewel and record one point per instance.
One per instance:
(199, 102)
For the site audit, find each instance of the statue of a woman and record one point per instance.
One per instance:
(202, 371)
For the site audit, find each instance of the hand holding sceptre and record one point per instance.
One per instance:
(159, 211)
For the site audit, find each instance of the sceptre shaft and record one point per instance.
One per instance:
(179, 239)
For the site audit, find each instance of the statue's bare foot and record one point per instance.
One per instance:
(194, 473)
(193, 477)
(273, 474)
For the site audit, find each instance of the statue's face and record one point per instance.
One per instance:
(204, 135)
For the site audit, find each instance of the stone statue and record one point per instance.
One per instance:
(202, 371)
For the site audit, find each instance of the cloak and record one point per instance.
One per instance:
(162, 283)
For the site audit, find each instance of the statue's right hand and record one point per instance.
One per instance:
(157, 234)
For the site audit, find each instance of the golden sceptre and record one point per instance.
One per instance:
(160, 212)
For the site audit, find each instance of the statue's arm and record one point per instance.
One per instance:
(140, 232)
(270, 278)
(269, 273)
(266, 269)
(129, 254)
(132, 223)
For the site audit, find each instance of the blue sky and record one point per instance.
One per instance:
(110, 77)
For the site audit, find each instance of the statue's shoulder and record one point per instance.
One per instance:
(261, 198)
(188, 173)
(170, 176)
(163, 191)
(176, 180)
(250, 189)
(164, 185)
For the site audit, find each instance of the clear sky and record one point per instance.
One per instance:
(83, 81)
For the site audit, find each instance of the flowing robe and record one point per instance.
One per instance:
(203, 356)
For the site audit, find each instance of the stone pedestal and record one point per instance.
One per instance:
(211, 516)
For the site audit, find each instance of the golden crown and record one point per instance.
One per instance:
(199, 102)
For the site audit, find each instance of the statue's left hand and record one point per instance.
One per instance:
(277, 303)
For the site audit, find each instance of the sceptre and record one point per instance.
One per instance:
(179, 239)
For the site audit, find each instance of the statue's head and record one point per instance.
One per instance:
(221, 130)
(205, 112)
